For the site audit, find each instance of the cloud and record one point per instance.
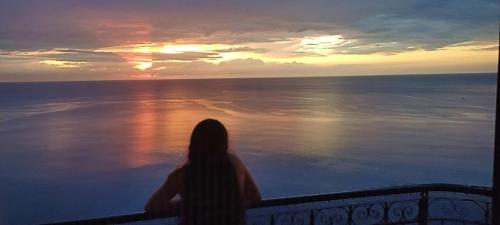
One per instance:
(97, 35)
(243, 49)
(185, 56)
(258, 68)
(236, 68)
(428, 24)
(65, 54)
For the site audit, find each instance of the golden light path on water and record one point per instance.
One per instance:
(164, 126)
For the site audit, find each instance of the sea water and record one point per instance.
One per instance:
(73, 150)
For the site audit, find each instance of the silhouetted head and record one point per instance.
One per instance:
(208, 141)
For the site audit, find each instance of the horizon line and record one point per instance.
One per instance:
(249, 77)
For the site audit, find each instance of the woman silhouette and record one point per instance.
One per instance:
(214, 185)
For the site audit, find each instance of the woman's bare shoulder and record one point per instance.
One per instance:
(234, 158)
(177, 173)
(240, 166)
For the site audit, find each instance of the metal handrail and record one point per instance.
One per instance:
(422, 188)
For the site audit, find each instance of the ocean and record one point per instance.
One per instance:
(73, 150)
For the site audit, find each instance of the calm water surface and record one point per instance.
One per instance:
(75, 150)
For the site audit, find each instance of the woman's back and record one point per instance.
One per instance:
(211, 194)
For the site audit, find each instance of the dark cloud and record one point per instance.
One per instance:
(88, 56)
(427, 24)
(70, 55)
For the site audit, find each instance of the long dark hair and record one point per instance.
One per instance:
(212, 193)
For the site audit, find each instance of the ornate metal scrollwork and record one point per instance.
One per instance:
(368, 213)
(403, 211)
(466, 210)
(332, 216)
(299, 218)
(390, 211)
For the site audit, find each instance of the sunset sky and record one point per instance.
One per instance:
(120, 39)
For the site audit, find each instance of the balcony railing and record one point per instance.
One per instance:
(418, 204)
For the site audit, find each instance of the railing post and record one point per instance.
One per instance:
(349, 215)
(312, 218)
(487, 214)
(423, 208)
(386, 212)
(495, 207)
